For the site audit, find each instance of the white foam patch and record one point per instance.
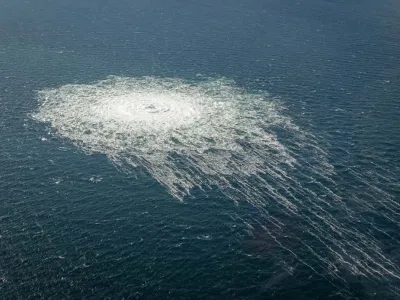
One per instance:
(145, 122)
(210, 133)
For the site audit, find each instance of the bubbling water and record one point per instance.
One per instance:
(217, 128)
(211, 134)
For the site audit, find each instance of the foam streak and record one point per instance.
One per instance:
(209, 133)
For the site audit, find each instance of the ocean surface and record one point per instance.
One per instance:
(199, 149)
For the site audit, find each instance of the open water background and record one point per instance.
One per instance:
(73, 226)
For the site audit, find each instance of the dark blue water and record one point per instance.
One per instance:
(73, 226)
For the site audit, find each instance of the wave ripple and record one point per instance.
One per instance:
(210, 133)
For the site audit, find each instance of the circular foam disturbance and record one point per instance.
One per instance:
(212, 123)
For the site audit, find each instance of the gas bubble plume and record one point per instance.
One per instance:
(208, 134)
